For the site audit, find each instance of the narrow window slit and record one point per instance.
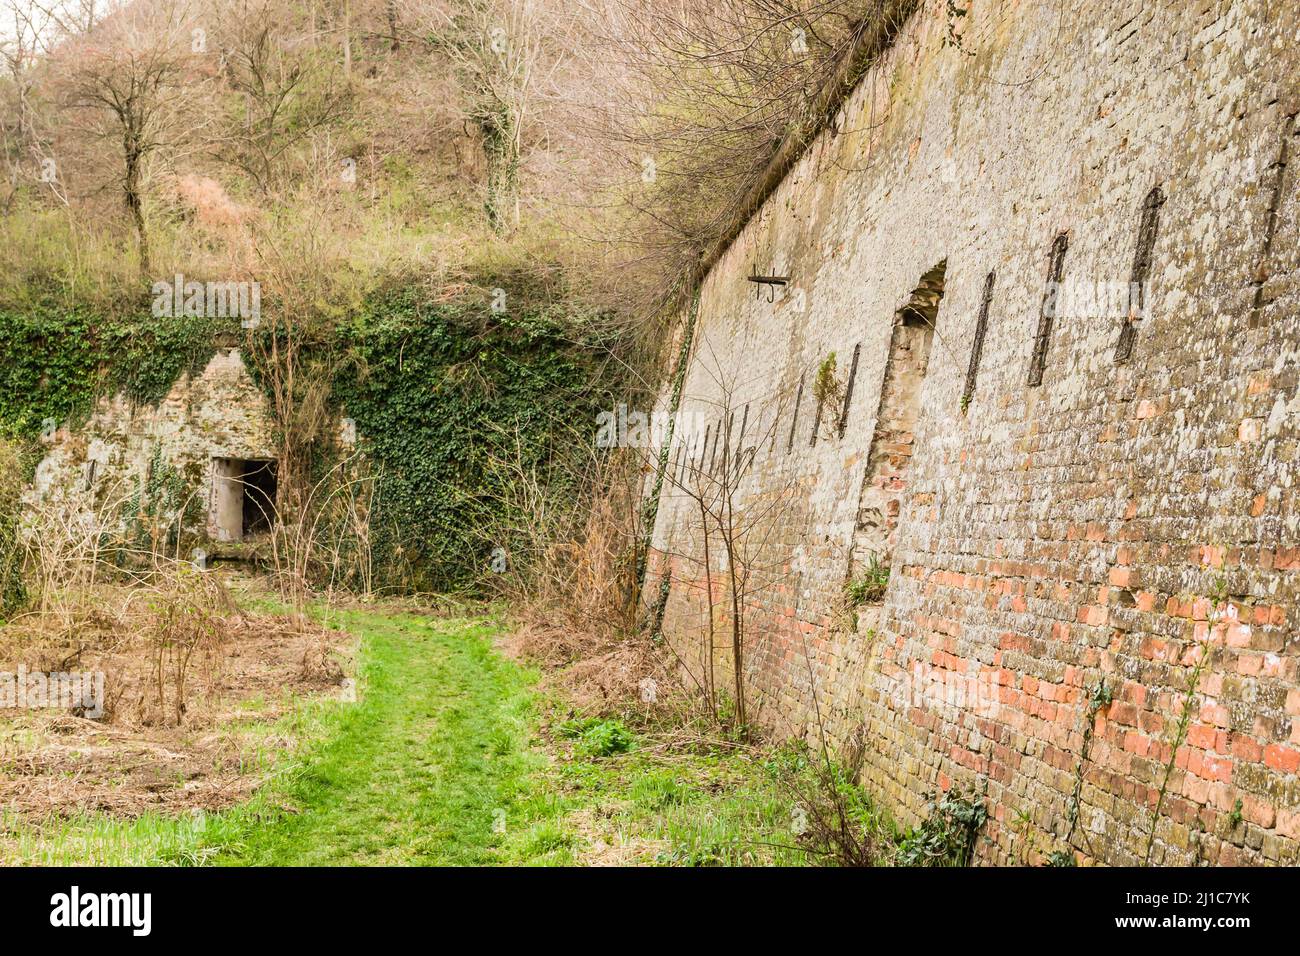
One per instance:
(727, 458)
(848, 389)
(1043, 339)
(740, 439)
(1262, 273)
(977, 347)
(794, 419)
(1137, 286)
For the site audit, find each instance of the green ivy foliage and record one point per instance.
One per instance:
(56, 358)
(49, 368)
(438, 389)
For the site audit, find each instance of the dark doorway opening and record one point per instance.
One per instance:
(243, 497)
(259, 496)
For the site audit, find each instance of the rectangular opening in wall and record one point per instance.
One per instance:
(243, 497)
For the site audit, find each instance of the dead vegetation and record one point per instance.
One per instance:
(168, 738)
(185, 679)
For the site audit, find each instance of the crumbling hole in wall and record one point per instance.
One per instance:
(922, 306)
(886, 478)
(1043, 338)
(243, 497)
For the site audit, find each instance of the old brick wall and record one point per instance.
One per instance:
(1110, 524)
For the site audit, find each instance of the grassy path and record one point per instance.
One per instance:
(441, 762)
(421, 768)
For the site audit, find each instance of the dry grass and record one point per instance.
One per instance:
(572, 586)
(141, 755)
(190, 680)
(602, 678)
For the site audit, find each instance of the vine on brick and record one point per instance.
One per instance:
(1099, 698)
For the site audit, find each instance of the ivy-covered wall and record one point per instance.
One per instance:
(437, 390)
(57, 357)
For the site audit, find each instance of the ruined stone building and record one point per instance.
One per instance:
(212, 434)
(1056, 264)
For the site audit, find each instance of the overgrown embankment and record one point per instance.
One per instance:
(453, 398)
(454, 403)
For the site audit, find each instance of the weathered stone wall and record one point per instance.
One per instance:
(1114, 523)
(219, 413)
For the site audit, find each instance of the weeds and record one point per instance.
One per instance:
(839, 823)
(947, 836)
(596, 737)
(1098, 700)
(826, 386)
(833, 818)
(871, 586)
(1203, 651)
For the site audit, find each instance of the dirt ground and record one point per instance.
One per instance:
(146, 753)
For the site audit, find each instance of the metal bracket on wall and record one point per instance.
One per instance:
(770, 281)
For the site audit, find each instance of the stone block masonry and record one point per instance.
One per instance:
(217, 414)
(1114, 501)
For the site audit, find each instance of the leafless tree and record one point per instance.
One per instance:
(287, 88)
(709, 96)
(729, 546)
(500, 51)
(24, 135)
(130, 83)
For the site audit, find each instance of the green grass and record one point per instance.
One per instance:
(415, 772)
(443, 761)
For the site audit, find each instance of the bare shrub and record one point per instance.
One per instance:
(186, 611)
(94, 582)
(568, 538)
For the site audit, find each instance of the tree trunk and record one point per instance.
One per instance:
(135, 207)
(501, 148)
